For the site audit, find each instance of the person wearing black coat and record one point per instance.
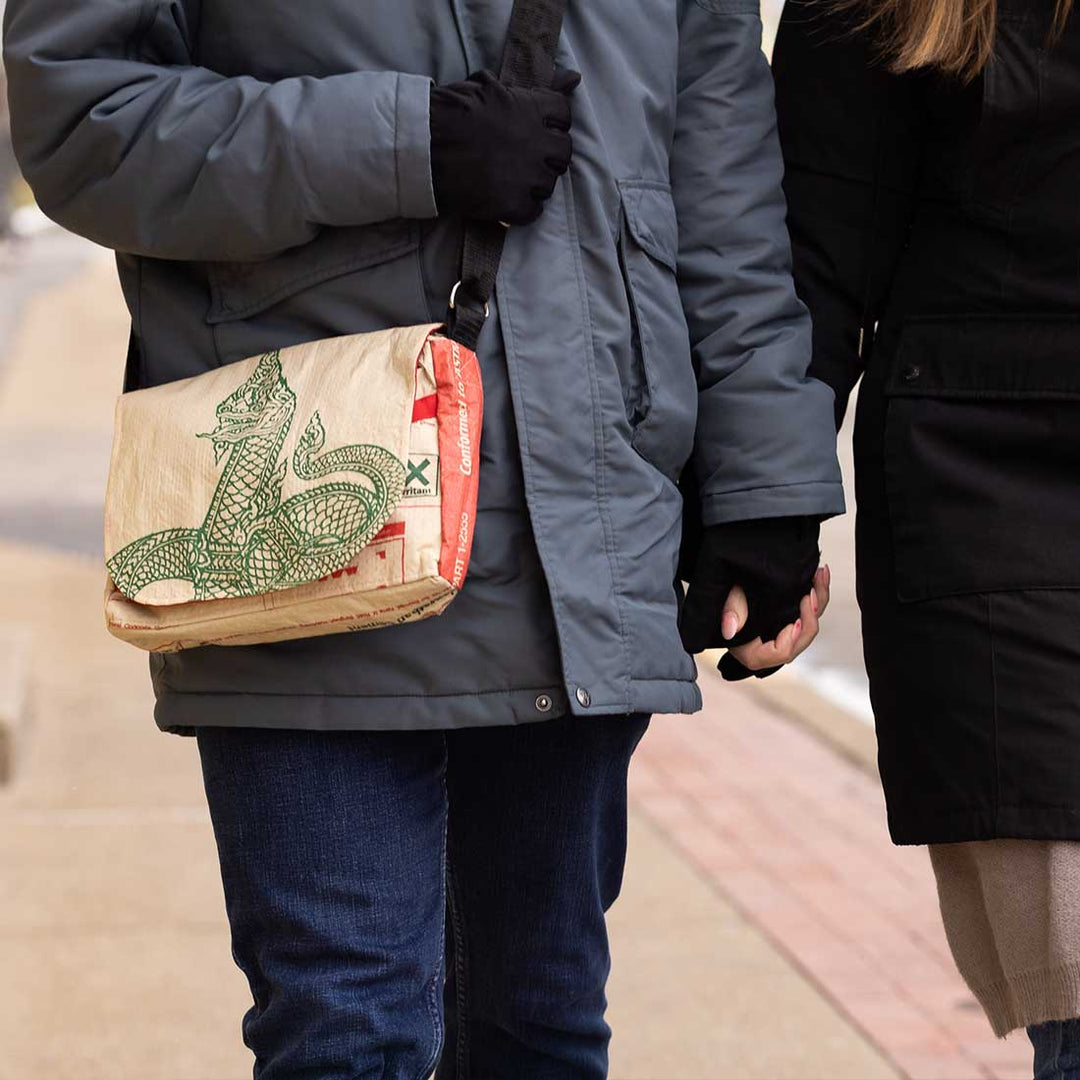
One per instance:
(935, 218)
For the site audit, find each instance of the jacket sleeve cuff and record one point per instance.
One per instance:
(412, 148)
(817, 499)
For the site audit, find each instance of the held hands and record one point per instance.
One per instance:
(498, 151)
(765, 658)
(756, 589)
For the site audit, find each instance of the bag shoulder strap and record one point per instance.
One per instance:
(528, 61)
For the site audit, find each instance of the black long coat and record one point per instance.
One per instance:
(937, 240)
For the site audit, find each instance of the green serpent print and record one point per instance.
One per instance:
(250, 541)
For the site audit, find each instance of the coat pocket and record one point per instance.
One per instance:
(345, 281)
(982, 456)
(661, 392)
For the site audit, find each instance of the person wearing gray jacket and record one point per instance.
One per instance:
(421, 828)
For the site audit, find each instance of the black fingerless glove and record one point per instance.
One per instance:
(773, 559)
(497, 151)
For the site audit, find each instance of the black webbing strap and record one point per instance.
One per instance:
(528, 61)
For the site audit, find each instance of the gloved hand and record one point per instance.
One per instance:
(497, 151)
(774, 560)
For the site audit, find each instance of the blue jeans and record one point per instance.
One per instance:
(401, 900)
(1057, 1050)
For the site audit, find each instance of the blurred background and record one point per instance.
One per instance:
(767, 928)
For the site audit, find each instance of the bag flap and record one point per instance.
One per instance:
(262, 475)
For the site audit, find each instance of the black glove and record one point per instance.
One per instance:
(773, 559)
(497, 151)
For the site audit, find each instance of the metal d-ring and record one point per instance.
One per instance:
(453, 300)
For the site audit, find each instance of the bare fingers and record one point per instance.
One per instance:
(759, 655)
(812, 609)
(794, 639)
(736, 612)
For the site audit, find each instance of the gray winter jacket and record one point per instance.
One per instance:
(263, 171)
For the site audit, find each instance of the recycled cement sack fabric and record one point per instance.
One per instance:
(319, 489)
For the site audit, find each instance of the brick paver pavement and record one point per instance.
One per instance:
(795, 836)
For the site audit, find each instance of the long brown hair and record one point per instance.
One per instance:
(954, 36)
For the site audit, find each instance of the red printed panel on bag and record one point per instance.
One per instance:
(460, 409)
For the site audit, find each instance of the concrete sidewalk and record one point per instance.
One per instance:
(767, 929)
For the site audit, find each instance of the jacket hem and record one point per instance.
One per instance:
(184, 713)
(908, 827)
(646, 696)
(663, 696)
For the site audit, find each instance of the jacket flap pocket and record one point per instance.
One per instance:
(982, 456)
(650, 216)
(988, 357)
(241, 290)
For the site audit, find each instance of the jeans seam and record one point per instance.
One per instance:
(461, 974)
(434, 989)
